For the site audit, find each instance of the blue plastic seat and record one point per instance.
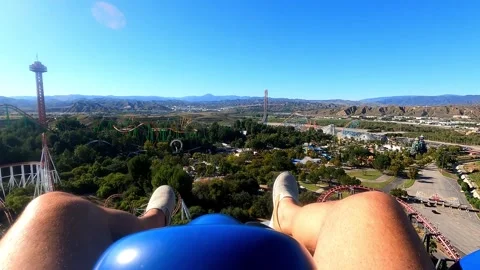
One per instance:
(469, 262)
(212, 241)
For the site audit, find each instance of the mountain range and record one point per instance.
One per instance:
(433, 106)
(393, 100)
(425, 100)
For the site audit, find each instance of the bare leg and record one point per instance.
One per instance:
(61, 231)
(363, 231)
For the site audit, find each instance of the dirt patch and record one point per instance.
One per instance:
(471, 167)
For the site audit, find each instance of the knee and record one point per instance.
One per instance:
(54, 201)
(372, 201)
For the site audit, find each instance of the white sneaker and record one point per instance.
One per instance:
(285, 186)
(164, 199)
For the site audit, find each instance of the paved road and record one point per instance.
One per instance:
(460, 227)
(394, 184)
(473, 147)
(431, 181)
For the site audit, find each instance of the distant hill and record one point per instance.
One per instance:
(210, 97)
(65, 100)
(109, 105)
(447, 111)
(437, 106)
(71, 98)
(425, 100)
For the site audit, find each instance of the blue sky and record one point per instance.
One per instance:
(296, 49)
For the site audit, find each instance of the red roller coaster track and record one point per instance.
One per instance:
(449, 248)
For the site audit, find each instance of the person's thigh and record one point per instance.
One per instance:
(369, 230)
(56, 231)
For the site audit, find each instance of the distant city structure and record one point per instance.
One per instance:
(265, 107)
(330, 130)
(39, 69)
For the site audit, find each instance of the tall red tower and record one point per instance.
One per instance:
(39, 69)
(265, 107)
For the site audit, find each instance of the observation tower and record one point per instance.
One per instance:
(39, 69)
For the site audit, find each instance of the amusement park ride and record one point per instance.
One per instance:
(155, 132)
(43, 174)
(10, 108)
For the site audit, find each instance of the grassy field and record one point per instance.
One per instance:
(476, 178)
(379, 185)
(448, 174)
(365, 174)
(311, 187)
(407, 184)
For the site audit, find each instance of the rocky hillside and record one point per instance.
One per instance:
(110, 106)
(413, 111)
(425, 100)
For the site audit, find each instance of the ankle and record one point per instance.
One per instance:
(287, 208)
(153, 218)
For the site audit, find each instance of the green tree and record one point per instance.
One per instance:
(394, 169)
(139, 170)
(182, 182)
(67, 123)
(446, 157)
(336, 162)
(347, 180)
(237, 213)
(433, 246)
(262, 207)
(113, 183)
(84, 154)
(465, 186)
(149, 147)
(173, 176)
(196, 211)
(18, 199)
(308, 197)
(210, 170)
(381, 162)
(397, 192)
(412, 172)
(242, 199)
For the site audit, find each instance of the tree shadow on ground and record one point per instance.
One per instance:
(425, 181)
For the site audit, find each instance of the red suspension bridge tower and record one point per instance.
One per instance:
(265, 107)
(39, 69)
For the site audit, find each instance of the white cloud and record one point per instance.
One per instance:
(108, 15)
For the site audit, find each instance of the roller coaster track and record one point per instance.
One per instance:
(293, 115)
(19, 111)
(6, 212)
(99, 142)
(130, 129)
(449, 248)
(107, 203)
